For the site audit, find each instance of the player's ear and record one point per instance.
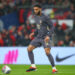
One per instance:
(40, 9)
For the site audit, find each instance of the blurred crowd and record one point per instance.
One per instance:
(64, 36)
(19, 36)
(63, 9)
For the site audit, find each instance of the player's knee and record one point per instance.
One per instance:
(30, 48)
(47, 51)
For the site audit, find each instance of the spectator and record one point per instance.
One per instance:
(51, 2)
(61, 43)
(43, 2)
(5, 35)
(70, 15)
(59, 3)
(71, 44)
(72, 9)
(67, 40)
(26, 40)
(24, 3)
(59, 31)
(20, 28)
(64, 26)
(1, 10)
(17, 2)
(11, 4)
(1, 41)
(20, 39)
(66, 4)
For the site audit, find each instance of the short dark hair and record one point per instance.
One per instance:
(37, 5)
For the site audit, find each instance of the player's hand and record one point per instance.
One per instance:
(47, 38)
(31, 35)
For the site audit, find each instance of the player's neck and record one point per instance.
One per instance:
(40, 14)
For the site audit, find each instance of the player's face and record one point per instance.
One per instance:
(37, 10)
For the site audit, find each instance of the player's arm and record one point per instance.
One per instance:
(51, 29)
(50, 25)
(33, 33)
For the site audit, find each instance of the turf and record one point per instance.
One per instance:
(41, 70)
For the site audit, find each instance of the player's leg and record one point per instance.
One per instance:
(31, 58)
(50, 57)
(31, 55)
(47, 47)
(34, 43)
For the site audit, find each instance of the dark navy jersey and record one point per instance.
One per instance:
(44, 26)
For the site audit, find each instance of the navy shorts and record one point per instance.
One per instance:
(37, 42)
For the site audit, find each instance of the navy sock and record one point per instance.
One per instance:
(50, 57)
(31, 57)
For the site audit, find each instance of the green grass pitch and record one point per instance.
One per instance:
(41, 70)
